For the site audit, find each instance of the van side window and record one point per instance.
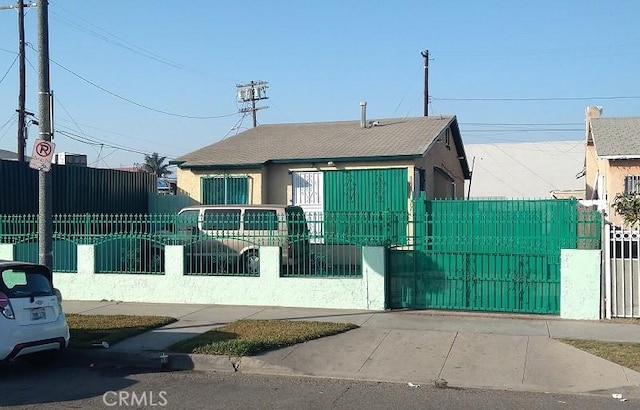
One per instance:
(260, 220)
(221, 220)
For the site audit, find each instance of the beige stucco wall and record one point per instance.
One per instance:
(615, 172)
(189, 182)
(445, 158)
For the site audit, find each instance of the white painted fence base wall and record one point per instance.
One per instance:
(580, 284)
(269, 289)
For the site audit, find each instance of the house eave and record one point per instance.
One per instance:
(619, 156)
(220, 166)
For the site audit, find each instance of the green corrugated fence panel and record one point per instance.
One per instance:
(168, 204)
(378, 196)
(490, 255)
(75, 189)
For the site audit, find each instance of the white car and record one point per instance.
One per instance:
(32, 323)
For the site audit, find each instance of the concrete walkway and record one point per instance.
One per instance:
(466, 350)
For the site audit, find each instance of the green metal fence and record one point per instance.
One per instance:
(221, 244)
(489, 255)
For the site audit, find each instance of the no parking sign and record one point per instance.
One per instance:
(42, 155)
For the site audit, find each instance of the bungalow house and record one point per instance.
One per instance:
(331, 166)
(612, 159)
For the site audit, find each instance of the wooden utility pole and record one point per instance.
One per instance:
(21, 93)
(425, 54)
(22, 76)
(250, 93)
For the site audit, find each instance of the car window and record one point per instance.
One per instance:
(260, 220)
(221, 220)
(23, 283)
(187, 219)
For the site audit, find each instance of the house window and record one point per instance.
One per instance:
(632, 184)
(225, 189)
(447, 138)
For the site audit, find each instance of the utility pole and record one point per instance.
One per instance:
(21, 59)
(45, 217)
(425, 54)
(250, 93)
(21, 93)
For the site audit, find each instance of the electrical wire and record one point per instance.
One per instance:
(9, 69)
(193, 117)
(627, 97)
(122, 43)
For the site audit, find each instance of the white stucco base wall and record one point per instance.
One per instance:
(6, 251)
(269, 289)
(580, 284)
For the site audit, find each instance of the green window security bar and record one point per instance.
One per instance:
(225, 189)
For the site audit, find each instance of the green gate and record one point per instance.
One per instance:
(488, 255)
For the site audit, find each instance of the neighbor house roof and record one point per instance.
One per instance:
(526, 169)
(335, 141)
(616, 137)
(4, 154)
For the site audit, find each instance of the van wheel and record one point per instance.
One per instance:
(251, 263)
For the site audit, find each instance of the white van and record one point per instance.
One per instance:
(227, 238)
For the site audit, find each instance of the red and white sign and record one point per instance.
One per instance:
(42, 155)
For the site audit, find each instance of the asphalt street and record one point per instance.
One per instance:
(101, 387)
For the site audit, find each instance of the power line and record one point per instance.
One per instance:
(9, 69)
(122, 44)
(632, 97)
(89, 141)
(193, 117)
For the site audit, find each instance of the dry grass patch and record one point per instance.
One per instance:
(624, 354)
(250, 337)
(87, 330)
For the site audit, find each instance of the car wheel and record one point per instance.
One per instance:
(251, 263)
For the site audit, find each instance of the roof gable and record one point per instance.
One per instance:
(407, 137)
(616, 137)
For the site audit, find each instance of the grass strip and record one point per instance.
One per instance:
(250, 337)
(89, 330)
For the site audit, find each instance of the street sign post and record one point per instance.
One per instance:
(42, 155)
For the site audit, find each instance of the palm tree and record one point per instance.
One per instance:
(154, 164)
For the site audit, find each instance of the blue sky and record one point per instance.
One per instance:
(321, 58)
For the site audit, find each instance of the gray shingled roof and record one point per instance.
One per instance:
(321, 140)
(619, 137)
(4, 154)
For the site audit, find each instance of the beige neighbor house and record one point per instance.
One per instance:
(331, 166)
(612, 159)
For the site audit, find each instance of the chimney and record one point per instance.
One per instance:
(363, 115)
(592, 112)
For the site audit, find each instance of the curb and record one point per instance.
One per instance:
(175, 362)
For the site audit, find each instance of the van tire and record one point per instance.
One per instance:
(251, 263)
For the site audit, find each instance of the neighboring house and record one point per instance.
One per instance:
(612, 159)
(331, 166)
(10, 155)
(67, 158)
(543, 169)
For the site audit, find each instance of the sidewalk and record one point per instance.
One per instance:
(466, 350)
